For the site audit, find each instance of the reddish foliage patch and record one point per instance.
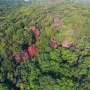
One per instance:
(53, 43)
(18, 58)
(21, 56)
(32, 50)
(67, 44)
(36, 32)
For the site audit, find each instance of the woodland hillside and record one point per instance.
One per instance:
(44, 46)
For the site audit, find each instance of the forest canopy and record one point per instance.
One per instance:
(44, 45)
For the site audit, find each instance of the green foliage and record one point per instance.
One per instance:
(51, 69)
(3, 87)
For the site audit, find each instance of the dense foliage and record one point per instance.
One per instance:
(59, 68)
